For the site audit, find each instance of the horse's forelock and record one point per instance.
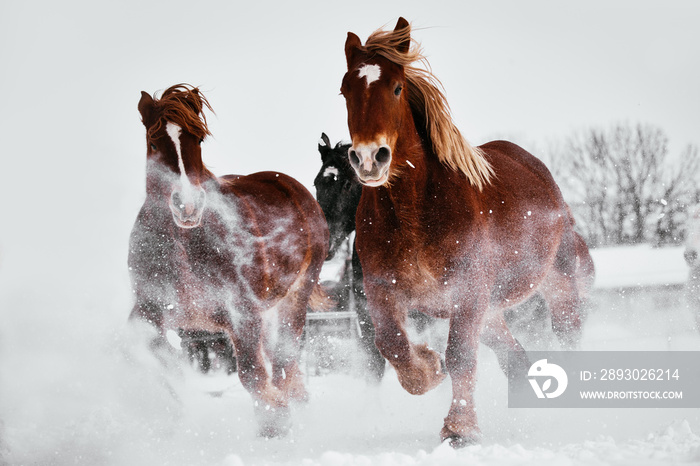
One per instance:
(183, 105)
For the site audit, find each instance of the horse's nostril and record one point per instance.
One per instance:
(177, 199)
(383, 155)
(354, 159)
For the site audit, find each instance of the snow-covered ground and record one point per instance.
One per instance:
(85, 394)
(640, 265)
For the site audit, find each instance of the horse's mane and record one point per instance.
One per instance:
(429, 104)
(183, 105)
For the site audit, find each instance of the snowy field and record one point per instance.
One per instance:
(85, 394)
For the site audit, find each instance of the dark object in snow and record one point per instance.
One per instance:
(238, 255)
(208, 351)
(452, 230)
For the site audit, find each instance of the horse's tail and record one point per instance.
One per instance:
(320, 300)
(585, 269)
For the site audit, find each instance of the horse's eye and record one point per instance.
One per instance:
(153, 147)
(397, 91)
(201, 141)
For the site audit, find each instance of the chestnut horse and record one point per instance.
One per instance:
(338, 191)
(234, 254)
(455, 231)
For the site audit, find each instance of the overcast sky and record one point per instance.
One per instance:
(73, 150)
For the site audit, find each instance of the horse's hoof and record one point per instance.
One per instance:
(273, 423)
(299, 395)
(457, 441)
(424, 374)
(273, 431)
(296, 390)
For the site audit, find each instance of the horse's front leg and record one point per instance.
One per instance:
(375, 361)
(271, 407)
(285, 351)
(418, 367)
(496, 335)
(461, 427)
(149, 313)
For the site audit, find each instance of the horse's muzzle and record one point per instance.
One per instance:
(371, 163)
(187, 206)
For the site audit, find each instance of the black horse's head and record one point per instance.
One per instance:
(337, 191)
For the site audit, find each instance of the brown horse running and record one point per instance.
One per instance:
(456, 231)
(236, 254)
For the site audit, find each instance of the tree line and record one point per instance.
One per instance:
(624, 186)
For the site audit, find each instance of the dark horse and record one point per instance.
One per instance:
(455, 231)
(338, 192)
(234, 254)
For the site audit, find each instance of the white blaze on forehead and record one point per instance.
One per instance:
(174, 131)
(330, 171)
(370, 72)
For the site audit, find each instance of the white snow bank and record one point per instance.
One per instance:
(642, 265)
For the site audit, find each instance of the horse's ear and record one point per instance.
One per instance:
(146, 105)
(352, 46)
(324, 146)
(403, 27)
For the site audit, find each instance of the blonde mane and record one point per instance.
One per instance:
(429, 103)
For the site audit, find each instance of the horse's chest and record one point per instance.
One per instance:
(199, 291)
(426, 267)
(418, 270)
(427, 253)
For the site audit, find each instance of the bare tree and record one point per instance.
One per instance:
(623, 185)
